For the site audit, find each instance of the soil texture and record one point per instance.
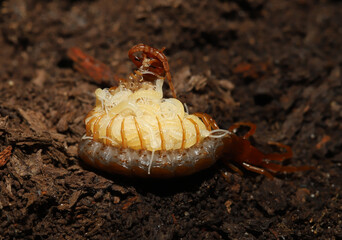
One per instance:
(277, 64)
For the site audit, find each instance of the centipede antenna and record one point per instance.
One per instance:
(221, 133)
(198, 136)
(109, 128)
(150, 164)
(183, 130)
(161, 135)
(213, 123)
(139, 134)
(123, 135)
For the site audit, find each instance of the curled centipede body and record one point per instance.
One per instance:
(134, 131)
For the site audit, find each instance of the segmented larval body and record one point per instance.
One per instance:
(135, 131)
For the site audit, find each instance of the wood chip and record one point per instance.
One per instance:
(5, 155)
(36, 120)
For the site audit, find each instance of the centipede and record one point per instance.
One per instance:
(134, 131)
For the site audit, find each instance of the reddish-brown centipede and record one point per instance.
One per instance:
(134, 131)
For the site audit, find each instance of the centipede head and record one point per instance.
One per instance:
(149, 60)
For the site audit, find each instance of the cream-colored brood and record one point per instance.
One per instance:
(140, 118)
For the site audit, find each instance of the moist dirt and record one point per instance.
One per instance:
(274, 63)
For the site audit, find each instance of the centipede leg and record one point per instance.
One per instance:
(123, 135)
(161, 135)
(139, 134)
(213, 123)
(204, 120)
(257, 170)
(252, 128)
(183, 131)
(161, 57)
(198, 134)
(208, 121)
(109, 130)
(279, 156)
(168, 77)
(235, 168)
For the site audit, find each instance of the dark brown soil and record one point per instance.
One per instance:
(275, 63)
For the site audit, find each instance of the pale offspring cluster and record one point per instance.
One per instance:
(143, 119)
